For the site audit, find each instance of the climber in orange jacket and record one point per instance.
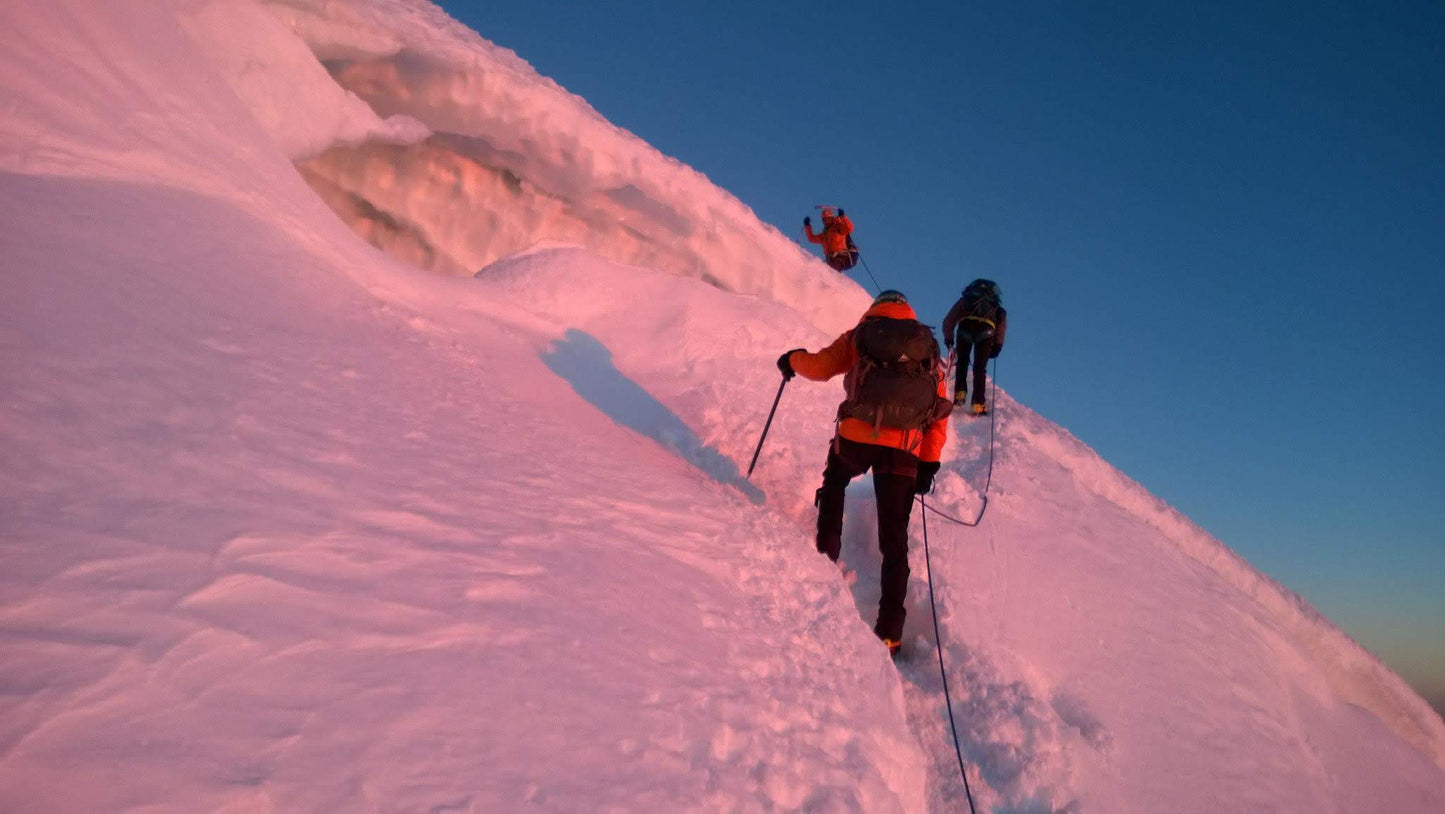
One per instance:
(836, 239)
(894, 420)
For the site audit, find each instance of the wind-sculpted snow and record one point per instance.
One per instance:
(288, 525)
(276, 75)
(515, 160)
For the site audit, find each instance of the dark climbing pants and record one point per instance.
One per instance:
(977, 337)
(842, 261)
(894, 474)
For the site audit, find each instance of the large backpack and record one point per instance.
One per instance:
(895, 380)
(981, 300)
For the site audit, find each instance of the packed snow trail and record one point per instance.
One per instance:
(1101, 577)
(1061, 674)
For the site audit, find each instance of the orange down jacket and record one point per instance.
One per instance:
(834, 238)
(840, 357)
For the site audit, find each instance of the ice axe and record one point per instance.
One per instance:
(766, 426)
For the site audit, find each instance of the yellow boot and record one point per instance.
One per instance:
(980, 409)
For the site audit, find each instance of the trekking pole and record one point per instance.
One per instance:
(943, 674)
(776, 399)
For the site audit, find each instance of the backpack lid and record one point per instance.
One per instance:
(889, 340)
(983, 288)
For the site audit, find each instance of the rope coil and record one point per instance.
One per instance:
(992, 424)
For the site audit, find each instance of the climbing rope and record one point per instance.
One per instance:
(877, 289)
(942, 672)
(992, 423)
(928, 569)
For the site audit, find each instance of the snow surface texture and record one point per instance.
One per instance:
(288, 525)
(515, 159)
(277, 75)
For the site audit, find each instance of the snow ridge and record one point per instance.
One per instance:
(514, 159)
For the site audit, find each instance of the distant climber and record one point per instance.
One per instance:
(976, 322)
(893, 420)
(836, 239)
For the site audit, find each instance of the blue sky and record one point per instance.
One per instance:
(1220, 231)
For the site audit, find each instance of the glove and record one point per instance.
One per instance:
(807, 221)
(997, 349)
(785, 366)
(840, 213)
(948, 342)
(926, 471)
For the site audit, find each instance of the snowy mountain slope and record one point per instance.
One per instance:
(289, 526)
(515, 159)
(291, 514)
(273, 542)
(1113, 655)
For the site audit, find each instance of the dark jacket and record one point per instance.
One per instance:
(957, 313)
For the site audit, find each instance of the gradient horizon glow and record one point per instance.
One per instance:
(1220, 232)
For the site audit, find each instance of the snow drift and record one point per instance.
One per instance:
(289, 525)
(515, 159)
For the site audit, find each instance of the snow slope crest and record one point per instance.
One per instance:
(513, 158)
(1353, 674)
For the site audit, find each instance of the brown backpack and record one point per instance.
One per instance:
(895, 380)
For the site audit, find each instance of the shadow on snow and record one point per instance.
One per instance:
(586, 364)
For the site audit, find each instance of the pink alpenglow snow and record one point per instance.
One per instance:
(290, 524)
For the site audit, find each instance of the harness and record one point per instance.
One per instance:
(990, 330)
